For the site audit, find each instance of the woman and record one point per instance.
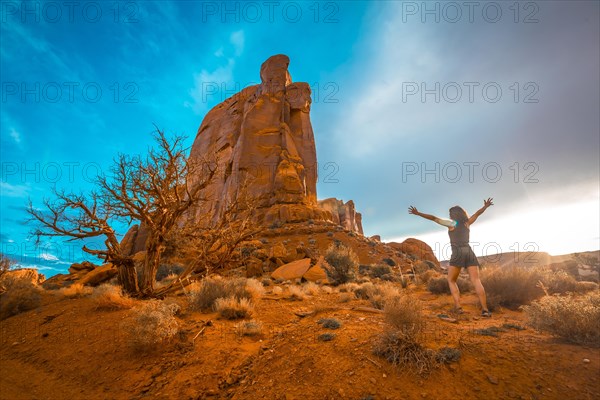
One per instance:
(462, 254)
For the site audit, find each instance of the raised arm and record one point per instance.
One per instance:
(444, 222)
(486, 203)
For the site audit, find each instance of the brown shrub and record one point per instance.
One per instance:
(511, 286)
(204, 295)
(405, 315)
(255, 288)
(426, 276)
(296, 293)
(248, 328)
(20, 295)
(76, 290)
(343, 264)
(439, 285)
(573, 319)
(151, 323)
(233, 307)
(111, 297)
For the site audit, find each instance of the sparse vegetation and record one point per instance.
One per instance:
(20, 295)
(326, 337)
(151, 323)
(571, 318)
(76, 290)
(203, 295)
(255, 288)
(248, 328)
(312, 289)
(439, 285)
(233, 307)
(343, 264)
(111, 297)
(447, 355)
(329, 323)
(296, 293)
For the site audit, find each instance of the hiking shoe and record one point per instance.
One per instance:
(486, 314)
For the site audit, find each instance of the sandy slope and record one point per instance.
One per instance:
(68, 350)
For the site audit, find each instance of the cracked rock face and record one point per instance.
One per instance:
(263, 143)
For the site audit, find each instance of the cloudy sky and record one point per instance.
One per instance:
(428, 105)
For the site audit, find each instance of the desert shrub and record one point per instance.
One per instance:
(326, 289)
(427, 276)
(266, 282)
(400, 343)
(345, 297)
(255, 288)
(377, 294)
(329, 323)
(277, 290)
(378, 271)
(233, 307)
(248, 328)
(20, 295)
(76, 290)
(389, 262)
(296, 293)
(312, 288)
(405, 314)
(343, 264)
(573, 319)
(511, 287)
(447, 355)
(151, 323)
(404, 352)
(326, 337)
(204, 295)
(111, 297)
(439, 285)
(348, 287)
(585, 286)
(559, 282)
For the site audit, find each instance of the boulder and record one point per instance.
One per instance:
(294, 270)
(99, 275)
(416, 248)
(28, 274)
(82, 267)
(317, 273)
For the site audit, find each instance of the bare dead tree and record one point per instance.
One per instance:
(212, 245)
(155, 189)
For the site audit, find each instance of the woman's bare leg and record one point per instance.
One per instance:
(453, 273)
(474, 274)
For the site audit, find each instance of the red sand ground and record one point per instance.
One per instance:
(67, 349)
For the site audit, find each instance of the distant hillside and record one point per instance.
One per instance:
(527, 259)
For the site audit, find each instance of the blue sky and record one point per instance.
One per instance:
(507, 94)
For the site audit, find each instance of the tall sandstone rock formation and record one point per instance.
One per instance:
(263, 143)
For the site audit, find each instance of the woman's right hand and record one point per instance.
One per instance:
(413, 210)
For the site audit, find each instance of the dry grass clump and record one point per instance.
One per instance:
(573, 319)
(277, 290)
(327, 289)
(439, 285)
(348, 287)
(203, 296)
(233, 307)
(76, 290)
(377, 294)
(346, 297)
(248, 328)
(343, 264)
(427, 276)
(312, 289)
(255, 288)
(111, 297)
(151, 323)
(296, 293)
(20, 295)
(586, 286)
(400, 343)
(329, 323)
(513, 286)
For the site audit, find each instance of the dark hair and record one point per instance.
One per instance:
(459, 214)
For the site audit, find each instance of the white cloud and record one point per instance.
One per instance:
(237, 39)
(214, 86)
(14, 190)
(15, 135)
